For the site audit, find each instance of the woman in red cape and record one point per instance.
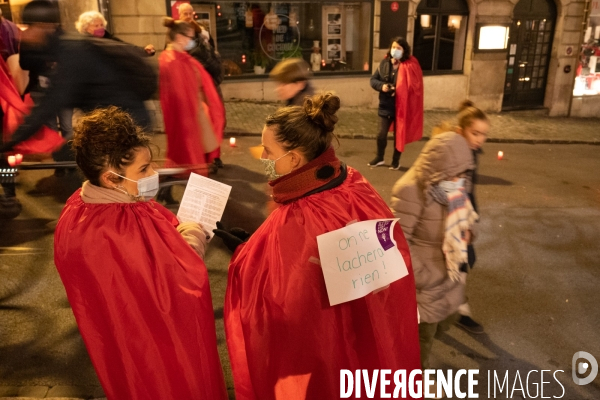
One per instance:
(15, 109)
(139, 292)
(285, 341)
(193, 113)
(399, 81)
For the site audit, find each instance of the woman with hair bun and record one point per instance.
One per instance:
(285, 341)
(134, 276)
(193, 113)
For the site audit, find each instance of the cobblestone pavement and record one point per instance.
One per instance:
(247, 118)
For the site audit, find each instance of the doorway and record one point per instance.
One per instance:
(529, 50)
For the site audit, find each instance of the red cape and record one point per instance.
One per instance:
(181, 78)
(45, 140)
(409, 103)
(285, 341)
(141, 299)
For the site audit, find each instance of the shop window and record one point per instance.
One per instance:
(587, 81)
(440, 35)
(252, 37)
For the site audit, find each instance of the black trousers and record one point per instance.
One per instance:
(384, 128)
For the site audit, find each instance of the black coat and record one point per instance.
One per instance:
(387, 100)
(91, 73)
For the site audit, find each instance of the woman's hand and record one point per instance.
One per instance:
(385, 88)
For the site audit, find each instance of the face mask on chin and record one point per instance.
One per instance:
(270, 167)
(147, 187)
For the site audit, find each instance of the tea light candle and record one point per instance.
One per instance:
(12, 161)
(19, 158)
(232, 142)
(500, 155)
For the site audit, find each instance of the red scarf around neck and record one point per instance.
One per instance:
(309, 177)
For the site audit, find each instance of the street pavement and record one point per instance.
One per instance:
(534, 287)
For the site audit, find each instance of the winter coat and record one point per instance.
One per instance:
(423, 221)
(91, 73)
(383, 75)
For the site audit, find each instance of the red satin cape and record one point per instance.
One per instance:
(285, 341)
(181, 78)
(15, 109)
(141, 299)
(409, 103)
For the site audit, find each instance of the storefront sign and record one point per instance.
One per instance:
(360, 258)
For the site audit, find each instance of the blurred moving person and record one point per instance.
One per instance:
(292, 80)
(399, 81)
(285, 341)
(89, 73)
(205, 53)
(437, 219)
(134, 276)
(473, 125)
(192, 110)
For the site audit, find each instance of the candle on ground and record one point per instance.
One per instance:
(500, 155)
(12, 161)
(232, 142)
(19, 158)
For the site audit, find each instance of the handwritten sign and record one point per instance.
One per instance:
(360, 258)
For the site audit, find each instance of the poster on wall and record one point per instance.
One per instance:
(334, 24)
(334, 48)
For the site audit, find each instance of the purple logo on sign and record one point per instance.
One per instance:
(384, 234)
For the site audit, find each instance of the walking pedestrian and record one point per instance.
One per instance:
(135, 278)
(285, 341)
(292, 80)
(399, 81)
(89, 73)
(193, 112)
(473, 125)
(437, 218)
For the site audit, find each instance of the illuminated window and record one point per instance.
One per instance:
(440, 35)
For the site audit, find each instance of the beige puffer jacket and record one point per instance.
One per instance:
(444, 157)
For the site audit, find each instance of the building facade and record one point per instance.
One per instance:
(501, 54)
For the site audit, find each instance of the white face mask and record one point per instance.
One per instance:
(397, 54)
(147, 187)
(451, 186)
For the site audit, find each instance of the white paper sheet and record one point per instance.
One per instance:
(203, 201)
(359, 259)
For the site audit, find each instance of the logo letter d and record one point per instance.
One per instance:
(582, 367)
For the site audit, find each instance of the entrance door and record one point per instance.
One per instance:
(530, 45)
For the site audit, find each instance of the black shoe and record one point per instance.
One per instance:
(377, 161)
(395, 165)
(468, 324)
(217, 161)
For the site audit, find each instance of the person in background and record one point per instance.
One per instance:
(204, 52)
(292, 79)
(437, 219)
(93, 23)
(399, 81)
(285, 341)
(473, 125)
(9, 37)
(193, 112)
(88, 74)
(135, 276)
